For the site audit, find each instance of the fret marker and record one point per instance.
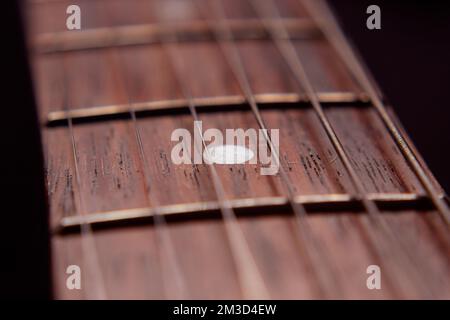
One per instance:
(228, 154)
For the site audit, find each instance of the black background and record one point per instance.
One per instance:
(408, 56)
(24, 245)
(410, 59)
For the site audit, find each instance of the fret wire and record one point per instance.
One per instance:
(319, 203)
(332, 32)
(223, 36)
(250, 278)
(150, 34)
(272, 100)
(295, 64)
(89, 248)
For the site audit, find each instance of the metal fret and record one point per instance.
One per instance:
(176, 105)
(147, 34)
(263, 205)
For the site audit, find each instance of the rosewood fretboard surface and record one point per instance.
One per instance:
(134, 260)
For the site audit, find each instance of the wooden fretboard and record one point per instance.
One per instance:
(351, 191)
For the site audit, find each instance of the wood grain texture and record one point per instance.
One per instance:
(132, 261)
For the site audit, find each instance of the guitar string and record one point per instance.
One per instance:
(398, 250)
(236, 64)
(316, 254)
(250, 279)
(288, 51)
(332, 32)
(160, 224)
(163, 237)
(88, 244)
(334, 35)
(86, 227)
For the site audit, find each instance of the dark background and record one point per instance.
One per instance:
(410, 59)
(24, 245)
(408, 56)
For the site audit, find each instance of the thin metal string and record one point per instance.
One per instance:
(333, 34)
(281, 38)
(179, 291)
(398, 250)
(316, 254)
(89, 248)
(331, 29)
(250, 278)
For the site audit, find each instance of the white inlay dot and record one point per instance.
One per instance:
(228, 154)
